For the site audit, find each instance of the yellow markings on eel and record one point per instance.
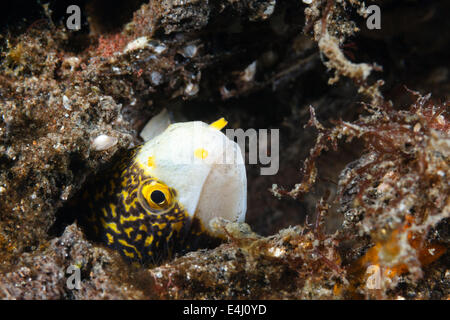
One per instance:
(201, 153)
(110, 238)
(177, 226)
(113, 210)
(219, 124)
(132, 204)
(151, 161)
(148, 241)
(131, 218)
(124, 194)
(126, 244)
(161, 226)
(111, 225)
(128, 231)
(128, 254)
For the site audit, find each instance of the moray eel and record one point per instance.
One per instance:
(159, 198)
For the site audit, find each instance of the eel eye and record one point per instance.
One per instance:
(157, 195)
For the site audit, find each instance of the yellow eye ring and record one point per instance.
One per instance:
(155, 196)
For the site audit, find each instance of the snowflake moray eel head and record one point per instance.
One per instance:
(159, 198)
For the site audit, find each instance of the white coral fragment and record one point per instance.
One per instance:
(104, 142)
(249, 72)
(139, 43)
